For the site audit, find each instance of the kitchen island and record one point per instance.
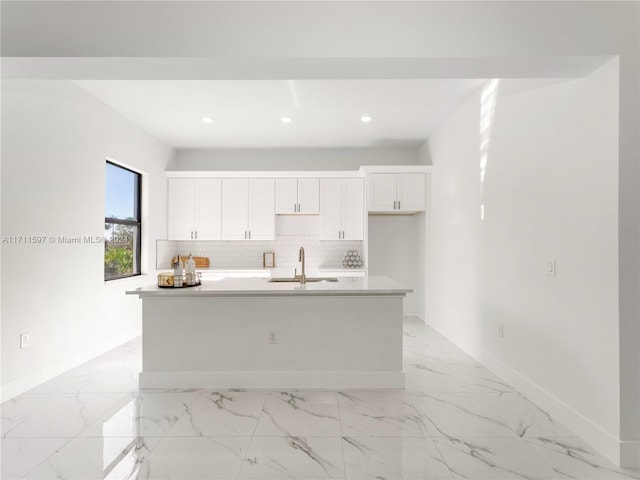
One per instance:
(252, 333)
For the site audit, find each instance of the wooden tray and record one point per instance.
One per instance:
(183, 286)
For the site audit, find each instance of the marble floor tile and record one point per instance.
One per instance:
(145, 414)
(55, 415)
(425, 378)
(293, 457)
(427, 359)
(380, 414)
(21, 455)
(298, 413)
(376, 458)
(492, 459)
(95, 458)
(195, 458)
(523, 416)
(220, 414)
(459, 415)
(109, 378)
(572, 458)
(478, 378)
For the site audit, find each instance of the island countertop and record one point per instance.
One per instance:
(258, 287)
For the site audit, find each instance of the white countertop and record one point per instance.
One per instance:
(252, 287)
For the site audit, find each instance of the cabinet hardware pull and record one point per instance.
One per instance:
(191, 234)
(196, 234)
(249, 234)
(398, 204)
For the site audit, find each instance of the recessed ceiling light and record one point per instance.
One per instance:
(365, 119)
(207, 119)
(286, 119)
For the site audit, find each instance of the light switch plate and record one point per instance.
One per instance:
(25, 340)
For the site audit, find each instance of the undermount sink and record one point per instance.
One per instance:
(308, 279)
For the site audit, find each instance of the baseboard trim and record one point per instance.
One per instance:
(25, 383)
(414, 315)
(621, 453)
(630, 454)
(273, 380)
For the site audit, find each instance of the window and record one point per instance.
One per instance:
(122, 223)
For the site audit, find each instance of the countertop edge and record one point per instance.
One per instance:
(256, 287)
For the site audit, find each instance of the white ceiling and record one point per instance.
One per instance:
(326, 113)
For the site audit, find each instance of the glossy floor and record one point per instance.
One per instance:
(455, 419)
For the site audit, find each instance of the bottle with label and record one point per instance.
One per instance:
(178, 273)
(190, 270)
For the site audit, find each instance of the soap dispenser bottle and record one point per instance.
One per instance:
(190, 269)
(178, 274)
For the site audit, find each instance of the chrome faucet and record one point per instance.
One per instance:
(303, 277)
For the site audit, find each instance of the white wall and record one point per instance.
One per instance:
(55, 139)
(395, 251)
(550, 192)
(334, 159)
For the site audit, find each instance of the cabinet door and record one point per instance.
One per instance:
(235, 208)
(286, 195)
(309, 195)
(382, 192)
(262, 214)
(353, 209)
(330, 208)
(208, 209)
(181, 209)
(412, 191)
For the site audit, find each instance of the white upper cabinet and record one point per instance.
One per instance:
(208, 209)
(396, 192)
(286, 195)
(181, 209)
(382, 192)
(262, 218)
(235, 208)
(298, 196)
(331, 209)
(248, 209)
(411, 192)
(194, 210)
(342, 209)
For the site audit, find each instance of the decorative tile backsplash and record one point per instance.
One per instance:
(248, 254)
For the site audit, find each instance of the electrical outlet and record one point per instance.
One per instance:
(272, 336)
(501, 330)
(25, 340)
(551, 268)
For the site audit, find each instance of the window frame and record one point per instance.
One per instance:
(137, 223)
